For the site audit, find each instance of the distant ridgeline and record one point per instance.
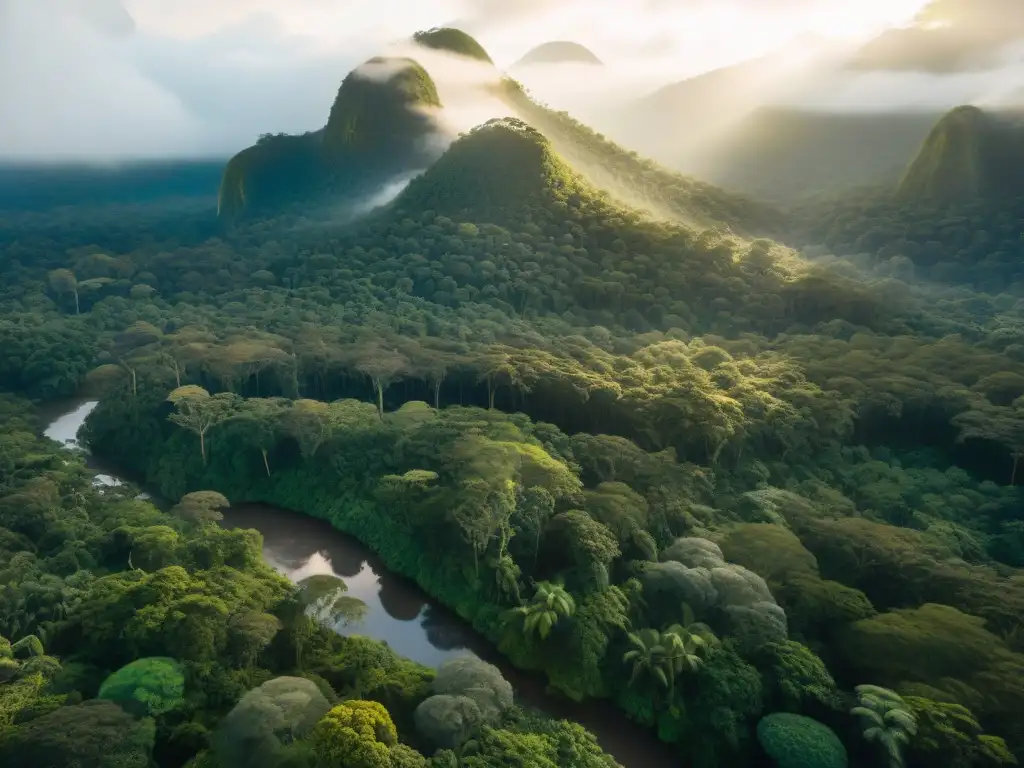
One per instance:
(969, 155)
(34, 186)
(379, 127)
(559, 52)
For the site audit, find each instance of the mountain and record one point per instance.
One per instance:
(496, 172)
(452, 41)
(970, 154)
(558, 52)
(786, 154)
(379, 127)
(635, 180)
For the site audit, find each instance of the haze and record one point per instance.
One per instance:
(106, 79)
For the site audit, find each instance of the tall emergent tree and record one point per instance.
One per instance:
(198, 411)
(63, 281)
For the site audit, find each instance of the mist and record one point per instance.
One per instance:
(105, 80)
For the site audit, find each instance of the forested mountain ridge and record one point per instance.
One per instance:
(770, 504)
(453, 41)
(378, 128)
(956, 217)
(970, 154)
(637, 181)
(318, 166)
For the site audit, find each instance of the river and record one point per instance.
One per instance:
(398, 611)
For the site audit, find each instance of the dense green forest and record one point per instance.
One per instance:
(147, 638)
(767, 502)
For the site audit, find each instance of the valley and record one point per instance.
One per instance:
(502, 444)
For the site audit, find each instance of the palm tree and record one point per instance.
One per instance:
(683, 648)
(649, 657)
(550, 603)
(666, 655)
(886, 719)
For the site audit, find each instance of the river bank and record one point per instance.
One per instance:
(398, 611)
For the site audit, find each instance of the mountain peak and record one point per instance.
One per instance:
(374, 131)
(381, 101)
(498, 169)
(559, 52)
(969, 154)
(452, 40)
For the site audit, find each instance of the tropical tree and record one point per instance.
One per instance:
(550, 603)
(266, 720)
(198, 411)
(684, 648)
(887, 720)
(647, 657)
(146, 687)
(663, 656)
(63, 281)
(201, 506)
(355, 734)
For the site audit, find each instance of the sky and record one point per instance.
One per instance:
(109, 79)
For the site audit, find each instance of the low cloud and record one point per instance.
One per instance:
(949, 36)
(109, 79)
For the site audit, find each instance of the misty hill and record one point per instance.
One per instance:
(379, 127)
(970, 154)
(680, 114)
(558, 52)
(635, 180)
(452, 41)
(497, 172)
(503, 219)
(784, 154)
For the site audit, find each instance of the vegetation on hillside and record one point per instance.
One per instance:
(375, 131)
(136, 637)
(452, 40)
(970, 154)
(768, 505)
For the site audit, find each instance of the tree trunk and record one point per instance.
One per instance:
(437, 395)
(202, 445)
(380, 398)
(266, 464)
(77, 312)
(177, 374)
(1013, 473)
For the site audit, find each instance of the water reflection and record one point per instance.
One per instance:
(398, 612)
(64, 429)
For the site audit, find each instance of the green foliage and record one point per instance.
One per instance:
(951, 734)
(467, 694)
(677, 424)
(549, 604)
(146, 687)
(452, 41)
(355, 734)
(797, 679)
(887, 721)
(966, 156)
(795, 741)
(94, 734)
(267, 719)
